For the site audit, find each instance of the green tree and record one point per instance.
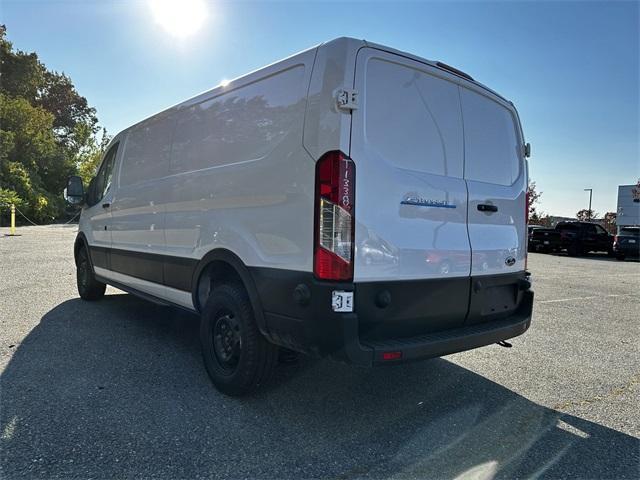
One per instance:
(48, 131)
(24, 76)
(73, 118)
(22, 73)
(89, 158)
(33, 165)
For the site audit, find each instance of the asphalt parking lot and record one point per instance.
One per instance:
(116, 389)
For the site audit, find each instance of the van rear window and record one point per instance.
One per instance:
(412, 118)
(492, 149)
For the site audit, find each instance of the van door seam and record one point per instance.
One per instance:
(466, 186)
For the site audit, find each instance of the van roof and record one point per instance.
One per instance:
(434, 63)
(354, 44)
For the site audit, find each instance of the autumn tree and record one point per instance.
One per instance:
(533, 199)
(585, 215)
(610, 221)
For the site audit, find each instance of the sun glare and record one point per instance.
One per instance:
(179, 18)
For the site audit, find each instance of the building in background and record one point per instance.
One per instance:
(628, 212)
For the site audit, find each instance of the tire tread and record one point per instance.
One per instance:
(259, 356)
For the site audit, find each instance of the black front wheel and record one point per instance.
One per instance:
(88, 287)
(236, 355)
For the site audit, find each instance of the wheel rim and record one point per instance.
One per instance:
(227, 342)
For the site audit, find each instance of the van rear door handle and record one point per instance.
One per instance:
(485, 207)
(106, 205)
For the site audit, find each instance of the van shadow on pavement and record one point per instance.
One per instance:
(117, 389)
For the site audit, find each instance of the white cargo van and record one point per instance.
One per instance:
(351, 201)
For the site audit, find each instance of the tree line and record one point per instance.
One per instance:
(536, 217)
(48, 131)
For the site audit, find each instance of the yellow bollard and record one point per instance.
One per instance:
(12, 230)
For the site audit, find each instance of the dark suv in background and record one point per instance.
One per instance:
(577, 238)
(580, 238)
(627, 243)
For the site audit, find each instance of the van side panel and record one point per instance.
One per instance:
(239, 177)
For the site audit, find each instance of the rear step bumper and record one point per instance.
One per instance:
(456, 340)
(298, 315)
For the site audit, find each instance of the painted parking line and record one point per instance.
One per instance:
(573, 299)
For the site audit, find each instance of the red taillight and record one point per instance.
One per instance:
(334, 217)
(391, 355)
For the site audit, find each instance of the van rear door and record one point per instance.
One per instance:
(411, 197)
(496, 178)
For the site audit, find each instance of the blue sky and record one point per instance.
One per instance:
(571, 68)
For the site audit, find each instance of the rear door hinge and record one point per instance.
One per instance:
(347, 99)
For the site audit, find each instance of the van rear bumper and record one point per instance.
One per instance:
(298, 314)
(458, 339)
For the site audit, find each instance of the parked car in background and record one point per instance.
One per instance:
(580, 238)
(627, 243)
(543, 239)
(530, 230)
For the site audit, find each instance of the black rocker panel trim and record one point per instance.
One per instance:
(167, 270)
(146, 266)
(99, 257)
(176, 272)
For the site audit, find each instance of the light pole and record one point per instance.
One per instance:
(590, 190)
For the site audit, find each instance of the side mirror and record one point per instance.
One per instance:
(527, 150)
(74, 193)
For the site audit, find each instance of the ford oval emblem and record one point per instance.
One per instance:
(510, 261)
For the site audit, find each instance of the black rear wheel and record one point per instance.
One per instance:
(88, 287)
(236, 355)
